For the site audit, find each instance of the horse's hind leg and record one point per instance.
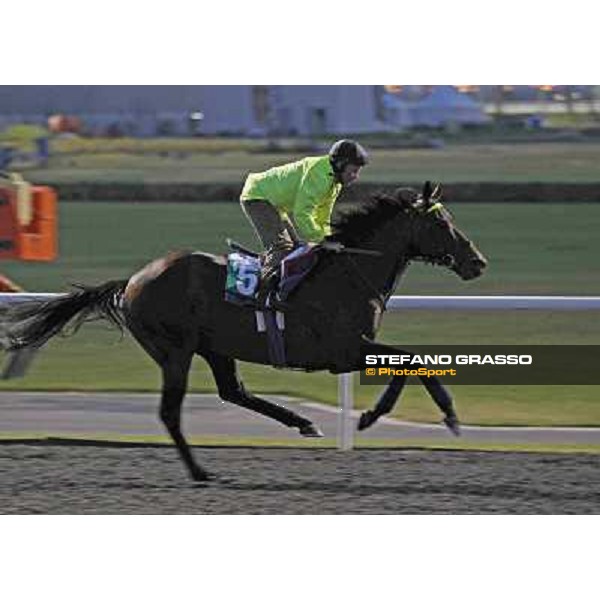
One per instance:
(231, 389)
(175, 371)
(175, 366)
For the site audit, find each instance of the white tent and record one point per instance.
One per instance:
(397, 112)
(446, 106)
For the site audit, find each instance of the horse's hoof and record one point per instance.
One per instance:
(201, 476)
(366, 420)
(310, 430)
(453, 425)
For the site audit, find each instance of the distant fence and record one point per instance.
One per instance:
(230, 192)
(345, 391)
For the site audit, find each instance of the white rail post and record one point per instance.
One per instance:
(345, 427)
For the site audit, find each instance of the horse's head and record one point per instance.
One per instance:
(436, 238)
(414, 225)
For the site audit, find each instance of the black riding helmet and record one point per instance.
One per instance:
(347, 152)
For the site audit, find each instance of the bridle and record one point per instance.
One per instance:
(382, 297)
(442, 260)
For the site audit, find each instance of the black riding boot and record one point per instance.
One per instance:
(268, 286)
(269, 279)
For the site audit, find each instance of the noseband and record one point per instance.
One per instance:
(443, 260)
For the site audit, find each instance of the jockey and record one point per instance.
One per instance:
(292, 204)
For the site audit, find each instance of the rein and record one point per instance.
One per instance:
(380, 297)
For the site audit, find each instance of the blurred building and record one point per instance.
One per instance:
(284, 110)
(199, 110)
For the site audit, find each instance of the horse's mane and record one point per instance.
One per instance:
(353, 224)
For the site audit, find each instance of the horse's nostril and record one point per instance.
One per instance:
(448, 260)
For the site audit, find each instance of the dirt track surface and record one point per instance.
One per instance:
(69, 479)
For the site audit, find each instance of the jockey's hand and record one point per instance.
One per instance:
(336, 247)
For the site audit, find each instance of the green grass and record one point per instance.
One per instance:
(172, 161)
(250, 442)
(532, 250)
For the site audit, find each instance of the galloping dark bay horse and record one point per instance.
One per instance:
(175, 308)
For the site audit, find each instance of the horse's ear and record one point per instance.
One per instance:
(427, 191)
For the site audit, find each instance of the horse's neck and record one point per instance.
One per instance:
(381, 273)
(385, 271)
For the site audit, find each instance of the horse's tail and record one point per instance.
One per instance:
(32, 323)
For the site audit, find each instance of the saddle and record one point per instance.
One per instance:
(245, 267)
(243, 287)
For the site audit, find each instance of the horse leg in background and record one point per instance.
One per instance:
(231, 389)
(441, 396)
(390, 395)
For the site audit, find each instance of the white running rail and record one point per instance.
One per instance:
(345, 384)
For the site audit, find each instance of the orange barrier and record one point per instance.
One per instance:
(8, 224)
(36, 237)
(38, 240)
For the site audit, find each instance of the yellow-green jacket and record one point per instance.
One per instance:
(305, 189)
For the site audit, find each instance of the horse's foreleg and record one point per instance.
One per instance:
(441, 396)
(231, 389)
(175, 371)
(385, 404)
(388, 399)
(392, 392)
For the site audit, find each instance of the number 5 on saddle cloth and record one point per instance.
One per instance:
(243, 274)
